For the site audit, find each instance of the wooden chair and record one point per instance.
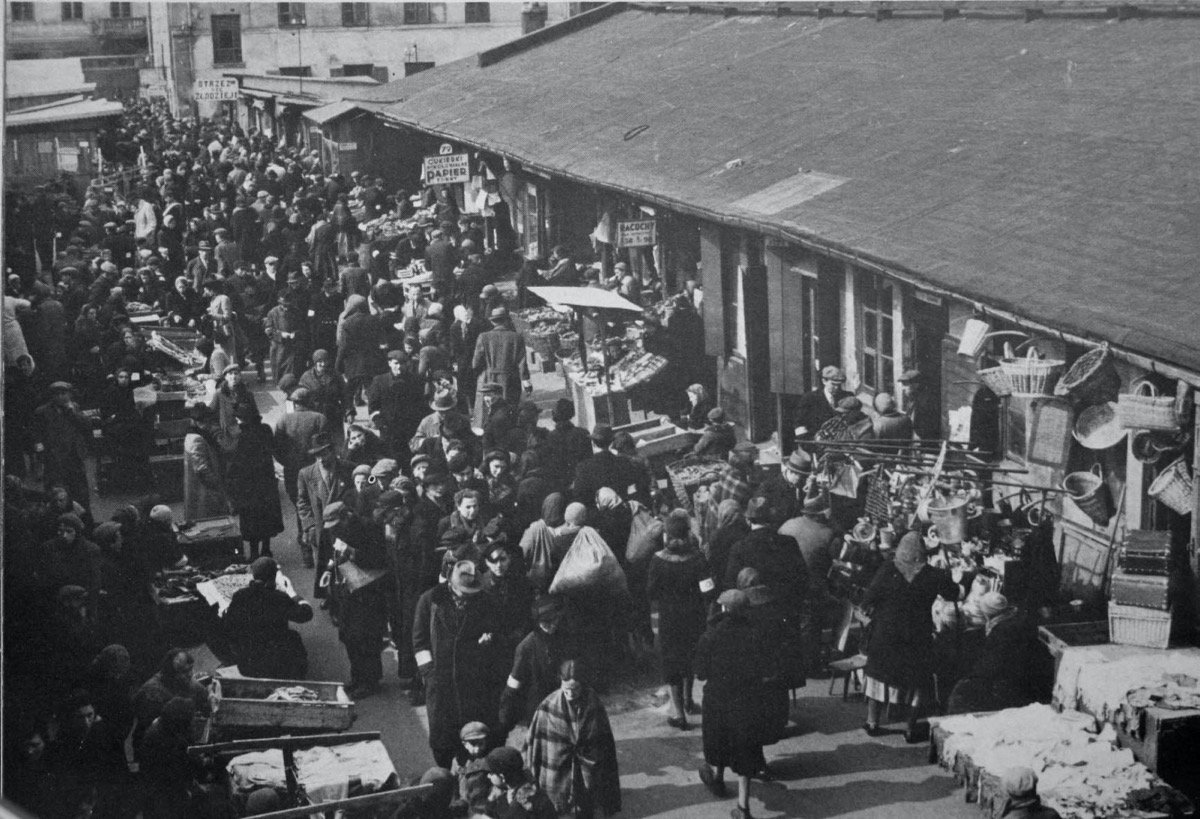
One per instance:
(847, 667)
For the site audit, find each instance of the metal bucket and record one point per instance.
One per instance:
(949, 519)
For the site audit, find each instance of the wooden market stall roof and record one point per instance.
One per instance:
(585, 297)
(1043, 168)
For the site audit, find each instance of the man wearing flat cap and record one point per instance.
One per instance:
(849, 422)
(394, 404)
(60, 437)
(500, 359)
(815, 408)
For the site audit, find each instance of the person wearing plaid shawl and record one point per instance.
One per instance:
(739, 481)
(571, 751)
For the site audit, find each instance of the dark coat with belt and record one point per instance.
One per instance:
(462, 675)
(733, 661)
(900, 652)
(778, 563)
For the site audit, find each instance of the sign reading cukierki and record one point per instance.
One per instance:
(639, 233)
(447, 169)
(215, 90)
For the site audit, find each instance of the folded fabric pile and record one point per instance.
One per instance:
(1090, 680)
(293, 693)
(1081, 774)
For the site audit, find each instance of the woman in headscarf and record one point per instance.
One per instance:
(253, 488)
(731, 527)
(678, 578)
(998, 678)
(735, 664)
(537, 544)
(900, 651)
(204, 489)
(128, 435)
(571, 752)
(223, 320)
(695, 414)
(359, 358)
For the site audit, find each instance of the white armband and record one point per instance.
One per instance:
(513, 683)
(707, 585)
(423, 657)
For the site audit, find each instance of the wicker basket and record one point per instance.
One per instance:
(544, 345)
(685, 488)
(1136, 626)
(1144, 408)
(1174, 488)
(1031, 375)
(995, 379)
(1089, 492)
(1092, 379)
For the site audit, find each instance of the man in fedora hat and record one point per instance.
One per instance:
(497, 416)
(444, 405)
(318, 485)
(818, 543)
(454, 629)
(785, 491)
(292, 437)
(202, 268)
(500, 358)
(815, 408)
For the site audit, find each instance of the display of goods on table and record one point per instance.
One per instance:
(389, 224)
(637, 368)
(1081, 774)
(292, 704)
(188, 357)
(689, 474)
(182, 608)
(324, 772)
(542, 328)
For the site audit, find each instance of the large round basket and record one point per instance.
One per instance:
(1098, 428)
(1092, 379)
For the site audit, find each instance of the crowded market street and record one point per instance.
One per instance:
(433, 411)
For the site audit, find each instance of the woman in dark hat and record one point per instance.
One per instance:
(128, 435)
(253, 488)
(735, 664)
(899, 658)
(678, 579)
(231, 394)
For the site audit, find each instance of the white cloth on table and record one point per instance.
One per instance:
(324, 771)
(1092, 680)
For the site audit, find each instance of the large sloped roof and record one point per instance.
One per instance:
(1047, 168)
(71, 110)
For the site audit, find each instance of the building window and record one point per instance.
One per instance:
(227, 38)
(291, 15)
(120, 9)
(21, 11)
(358, 70)
(295, 70)
(479, 12)
(421, 14)
(356, 14)
(72, 11)
(877, 364)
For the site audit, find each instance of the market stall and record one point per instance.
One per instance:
(1081, 773)
(313, 774)
(598, 373)
(253, 705)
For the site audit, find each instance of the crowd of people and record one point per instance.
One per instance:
(433, 506)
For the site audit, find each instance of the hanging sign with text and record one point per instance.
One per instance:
(639, 233)
(446, 169)
(215, 90)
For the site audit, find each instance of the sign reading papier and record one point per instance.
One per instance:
(215, 90)
(447, 169)
(640, 233)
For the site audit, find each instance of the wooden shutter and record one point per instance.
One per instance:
(714, 294)
(785, 316)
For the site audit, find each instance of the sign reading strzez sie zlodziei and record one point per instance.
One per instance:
(446, 169)
(215, 90)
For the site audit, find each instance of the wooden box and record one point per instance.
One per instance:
(244, 704)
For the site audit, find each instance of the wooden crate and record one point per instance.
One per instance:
(243, 704)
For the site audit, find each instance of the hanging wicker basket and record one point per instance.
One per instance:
(1032, 375)
(1092, 379)
(996, 380)
(1174, 488)
(1089, 492)
(1144, 408)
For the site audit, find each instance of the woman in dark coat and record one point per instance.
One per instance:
(358, 356)
(731, 527)
(678, 579)
(250, 479)
(128, 435)
(735, 663)
(900, 653)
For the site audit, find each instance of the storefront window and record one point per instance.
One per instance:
(877, 363)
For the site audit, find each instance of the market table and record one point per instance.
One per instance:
(250, 704)
(1083, 775)
(1156, 724)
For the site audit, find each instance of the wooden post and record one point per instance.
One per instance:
(1194, 545)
